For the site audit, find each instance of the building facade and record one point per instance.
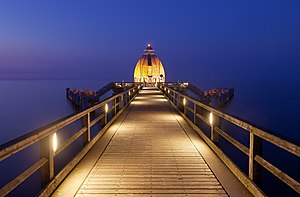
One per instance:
(149, 69)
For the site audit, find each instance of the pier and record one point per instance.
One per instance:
(151, 141)
(150, 98)
(149, 138)
(84, 98)
(150, 153)
(222, 95)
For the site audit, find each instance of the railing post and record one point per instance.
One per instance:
(255, 149)
(104, 110)
(47, 151)
(196, 109)
(86, 122)
(214, 136)
(174, 98)
(115, 106)
(121, 101)
(180, 103)
(125, 98)
(185, 102)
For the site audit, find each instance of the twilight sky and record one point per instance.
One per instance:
(72, 39)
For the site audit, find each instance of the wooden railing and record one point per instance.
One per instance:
(109, 109)
(187, 105)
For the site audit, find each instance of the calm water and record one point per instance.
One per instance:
(275, 105)
(29, 104)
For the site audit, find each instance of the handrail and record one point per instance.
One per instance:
(183, 102)
(46, 136)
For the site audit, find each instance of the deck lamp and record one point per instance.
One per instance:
(54, 141)
(184, 101)
(210, 118)
(106, 108)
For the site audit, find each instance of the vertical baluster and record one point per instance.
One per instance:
(105, 113)
(196, 109)
(129, 96)
(86, 122)
(179, 103)
(255, 149)
(47, 151)
(214, 136)
(121, 101)
(125, 98)
(174, 98)
(115, 106)
(185, 103)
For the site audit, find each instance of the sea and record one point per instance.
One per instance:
(273, 105)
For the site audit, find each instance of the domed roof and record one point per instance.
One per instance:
(149, 68)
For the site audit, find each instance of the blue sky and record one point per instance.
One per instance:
(195, 39)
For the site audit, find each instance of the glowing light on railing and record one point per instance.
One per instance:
(165, 89)
(168, 91)
(210, 118)
(184, 101)
(54, 141)
(129, 93)
(133, 90)
(106, 108)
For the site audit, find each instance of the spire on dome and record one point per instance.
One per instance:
(149, 49)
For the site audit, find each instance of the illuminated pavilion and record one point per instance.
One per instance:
(149, 68)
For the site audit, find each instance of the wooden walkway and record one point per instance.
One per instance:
(149, 154)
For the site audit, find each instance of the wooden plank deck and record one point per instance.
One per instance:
(149, 154)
